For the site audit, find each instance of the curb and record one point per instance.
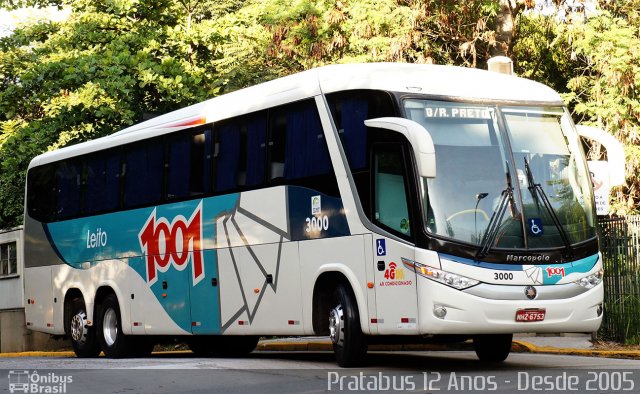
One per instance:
(527, 347)
(39, 354)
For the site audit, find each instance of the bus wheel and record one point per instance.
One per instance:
(113, 341)
(493, 348)
(83, 337)
(349, 344)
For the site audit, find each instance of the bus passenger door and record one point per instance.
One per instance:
(396, 302)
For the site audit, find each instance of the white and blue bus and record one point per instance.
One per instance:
(366, 202)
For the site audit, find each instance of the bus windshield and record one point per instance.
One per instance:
(507, 177)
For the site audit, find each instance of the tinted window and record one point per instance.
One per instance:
(227, 156)
(102, 184)
(350, 110)
(68, 189)
(239, 153)
(298, 153)
(41, 193)
(143, 174)
(306, 150)
(178, 166)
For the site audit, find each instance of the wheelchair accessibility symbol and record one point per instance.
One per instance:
(381, 247)
(535, 227)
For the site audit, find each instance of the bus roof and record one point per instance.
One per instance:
(444, 82)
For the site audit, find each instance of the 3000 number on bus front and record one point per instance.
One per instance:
(503, 276)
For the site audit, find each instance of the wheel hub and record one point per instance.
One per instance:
(79, 327)
(110, 326)
(336, 318)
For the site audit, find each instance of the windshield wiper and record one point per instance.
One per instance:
(536, 189)
(506, 199)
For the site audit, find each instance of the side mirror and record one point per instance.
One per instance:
(615, 152)
(418, 137)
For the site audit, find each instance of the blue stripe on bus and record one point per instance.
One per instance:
(579, 266)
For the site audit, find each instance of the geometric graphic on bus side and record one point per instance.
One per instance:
(252, 256)
(250, 244)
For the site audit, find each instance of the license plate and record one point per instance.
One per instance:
(530, 315)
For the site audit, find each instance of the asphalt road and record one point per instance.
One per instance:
(316, 372)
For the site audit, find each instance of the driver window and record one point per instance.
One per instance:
(391, 209)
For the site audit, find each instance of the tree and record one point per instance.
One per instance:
(115, 61)
(591, 56)
(101, 70)
(605, 90)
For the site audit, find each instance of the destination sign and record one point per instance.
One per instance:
(458, 112)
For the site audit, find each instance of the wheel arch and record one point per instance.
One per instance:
(102, 292)
(324, 286)
(70, 295)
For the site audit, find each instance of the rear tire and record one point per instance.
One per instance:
(349, 343)
(114, 343)
(83, 337)
(493, 348)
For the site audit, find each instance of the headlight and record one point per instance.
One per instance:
(591, 281)
(454, 280)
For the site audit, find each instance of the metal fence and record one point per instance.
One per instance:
(620, 246)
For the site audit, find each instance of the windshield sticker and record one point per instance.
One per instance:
(535, 227)
(457, 112)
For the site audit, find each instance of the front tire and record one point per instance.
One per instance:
(83, 337)
(493, 348)
(349, 343)
(112, 340)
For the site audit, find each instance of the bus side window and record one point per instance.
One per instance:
(143, 174)
(306, 150)
(390, 197)
(255, 131)
(200, 162)
(227, 156)
(41, 186)
(102, 182)
(277, 144)
(298, 152)
(349, 110)
(68, 189)
(178, 166)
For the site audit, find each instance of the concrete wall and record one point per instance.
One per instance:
(15, 337)
(11, 288)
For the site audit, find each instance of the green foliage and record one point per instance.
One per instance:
(111, 62)
(595, 62)
(605, 90)
(114, 61)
